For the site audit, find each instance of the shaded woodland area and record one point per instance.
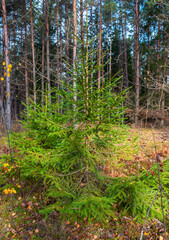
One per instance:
(84, 118)
(40, 35)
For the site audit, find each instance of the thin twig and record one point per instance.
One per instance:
(148, 213)
(160, 186)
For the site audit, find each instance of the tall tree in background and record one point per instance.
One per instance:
(48, 53)
(123, 28)
(33, 53)
(67, 36)
(100, 45)
(26, 57)
(74, 46)
(8, 69)
(137, 62)
(43, 53)
(81, 24)
(58, 65)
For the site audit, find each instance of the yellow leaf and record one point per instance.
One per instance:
(8, 74)
(20, 64)
(13, 190)
(6, 191)
(147, 234)
(19, 186)
(6, 165)
(3, 63)
(8, 93)
(9, 225)
(5, 74)
(9, 66)
(29, 207)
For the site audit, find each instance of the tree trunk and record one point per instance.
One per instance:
(137, 70)
(33, 55)
(74, 47)
(58, 84)
(110, 63)
(47, 54)
(67, 38)
(61, 53)
(100, 47)
(125, 51)
(81, 25)
(8, 67)
(26, 58)
(43, 54)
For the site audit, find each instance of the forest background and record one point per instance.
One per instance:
(40, 38)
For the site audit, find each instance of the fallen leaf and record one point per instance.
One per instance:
(37, 230)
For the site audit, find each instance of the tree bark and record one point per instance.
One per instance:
(8, 83)
(125, 51)
(26, 58)
(137, 63)
(74, 48)
(33, 56)
(58, 65)
(43, 54)
(47, 54)
(67, 37)
(100, 47)
(81, 25)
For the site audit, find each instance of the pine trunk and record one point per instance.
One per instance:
(47, 54)
(100, 47)
(74, 47)
(26, 57)
(137, 70)
(8, 91)
(43, 54)
(33, 55)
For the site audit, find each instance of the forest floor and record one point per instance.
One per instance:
(20, 217)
